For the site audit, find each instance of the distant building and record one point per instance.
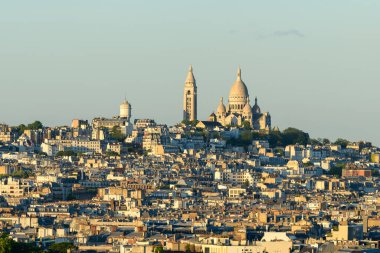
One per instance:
(122, 121)
(352, 170)
(238, 109)
(356, 173)
(13, 187)
(347, 231)
(125, 110)
(375, 158)
(190, 97)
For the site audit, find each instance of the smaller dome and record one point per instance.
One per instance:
(221, 108)
(247, 108)
(256, 108)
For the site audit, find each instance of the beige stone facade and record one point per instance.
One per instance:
(190, 97)
(238, 109)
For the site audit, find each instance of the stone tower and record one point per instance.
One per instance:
(190, 97)
(125, 110)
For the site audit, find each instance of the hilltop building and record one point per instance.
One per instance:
(123, 121)
(238, 109)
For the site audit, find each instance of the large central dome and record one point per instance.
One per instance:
(238, 89)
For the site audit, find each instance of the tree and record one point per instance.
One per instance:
(21, 173)
(35, 125)
(32, 126)
(325, 141)
(246, 184)
(66, 153)
(185, 122)
(279, 151)
(188, 249)
(315, 142)
(61, 247)
(111, 153)
(158, 249)
(7, 245)
(291, 136)
(215, 135)
(246, 125)
(246, 137)
(191, 123)
(116, 134)
(337, 170)
(21, 128)
(275, 139)
(307, 164)
(342, 142)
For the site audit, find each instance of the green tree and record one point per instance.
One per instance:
(21, 173)
(325, 141)
(61, 247)
(279, 151)
(112, 153)
(337, 170)
(66, 153)
(32, 126)
(185, 122)
(7, 245)
(191, 123)
(342, 142)
(215, 135)
(188, 249)
(116, 134)
(315, 142)
(20, 129)
(246, 184)
(291, 136)
(158, 249)
(275, 139)
(35, 125)
(246, 125)
(246, 137)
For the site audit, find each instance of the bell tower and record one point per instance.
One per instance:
(190, 97)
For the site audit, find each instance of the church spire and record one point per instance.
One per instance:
(239, 73)
(190, 76)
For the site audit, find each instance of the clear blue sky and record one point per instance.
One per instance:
(314, 65)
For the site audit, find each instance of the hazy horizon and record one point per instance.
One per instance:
(312, 65)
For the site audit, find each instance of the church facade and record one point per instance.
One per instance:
(238, 110)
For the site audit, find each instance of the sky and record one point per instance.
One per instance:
(314, 65)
